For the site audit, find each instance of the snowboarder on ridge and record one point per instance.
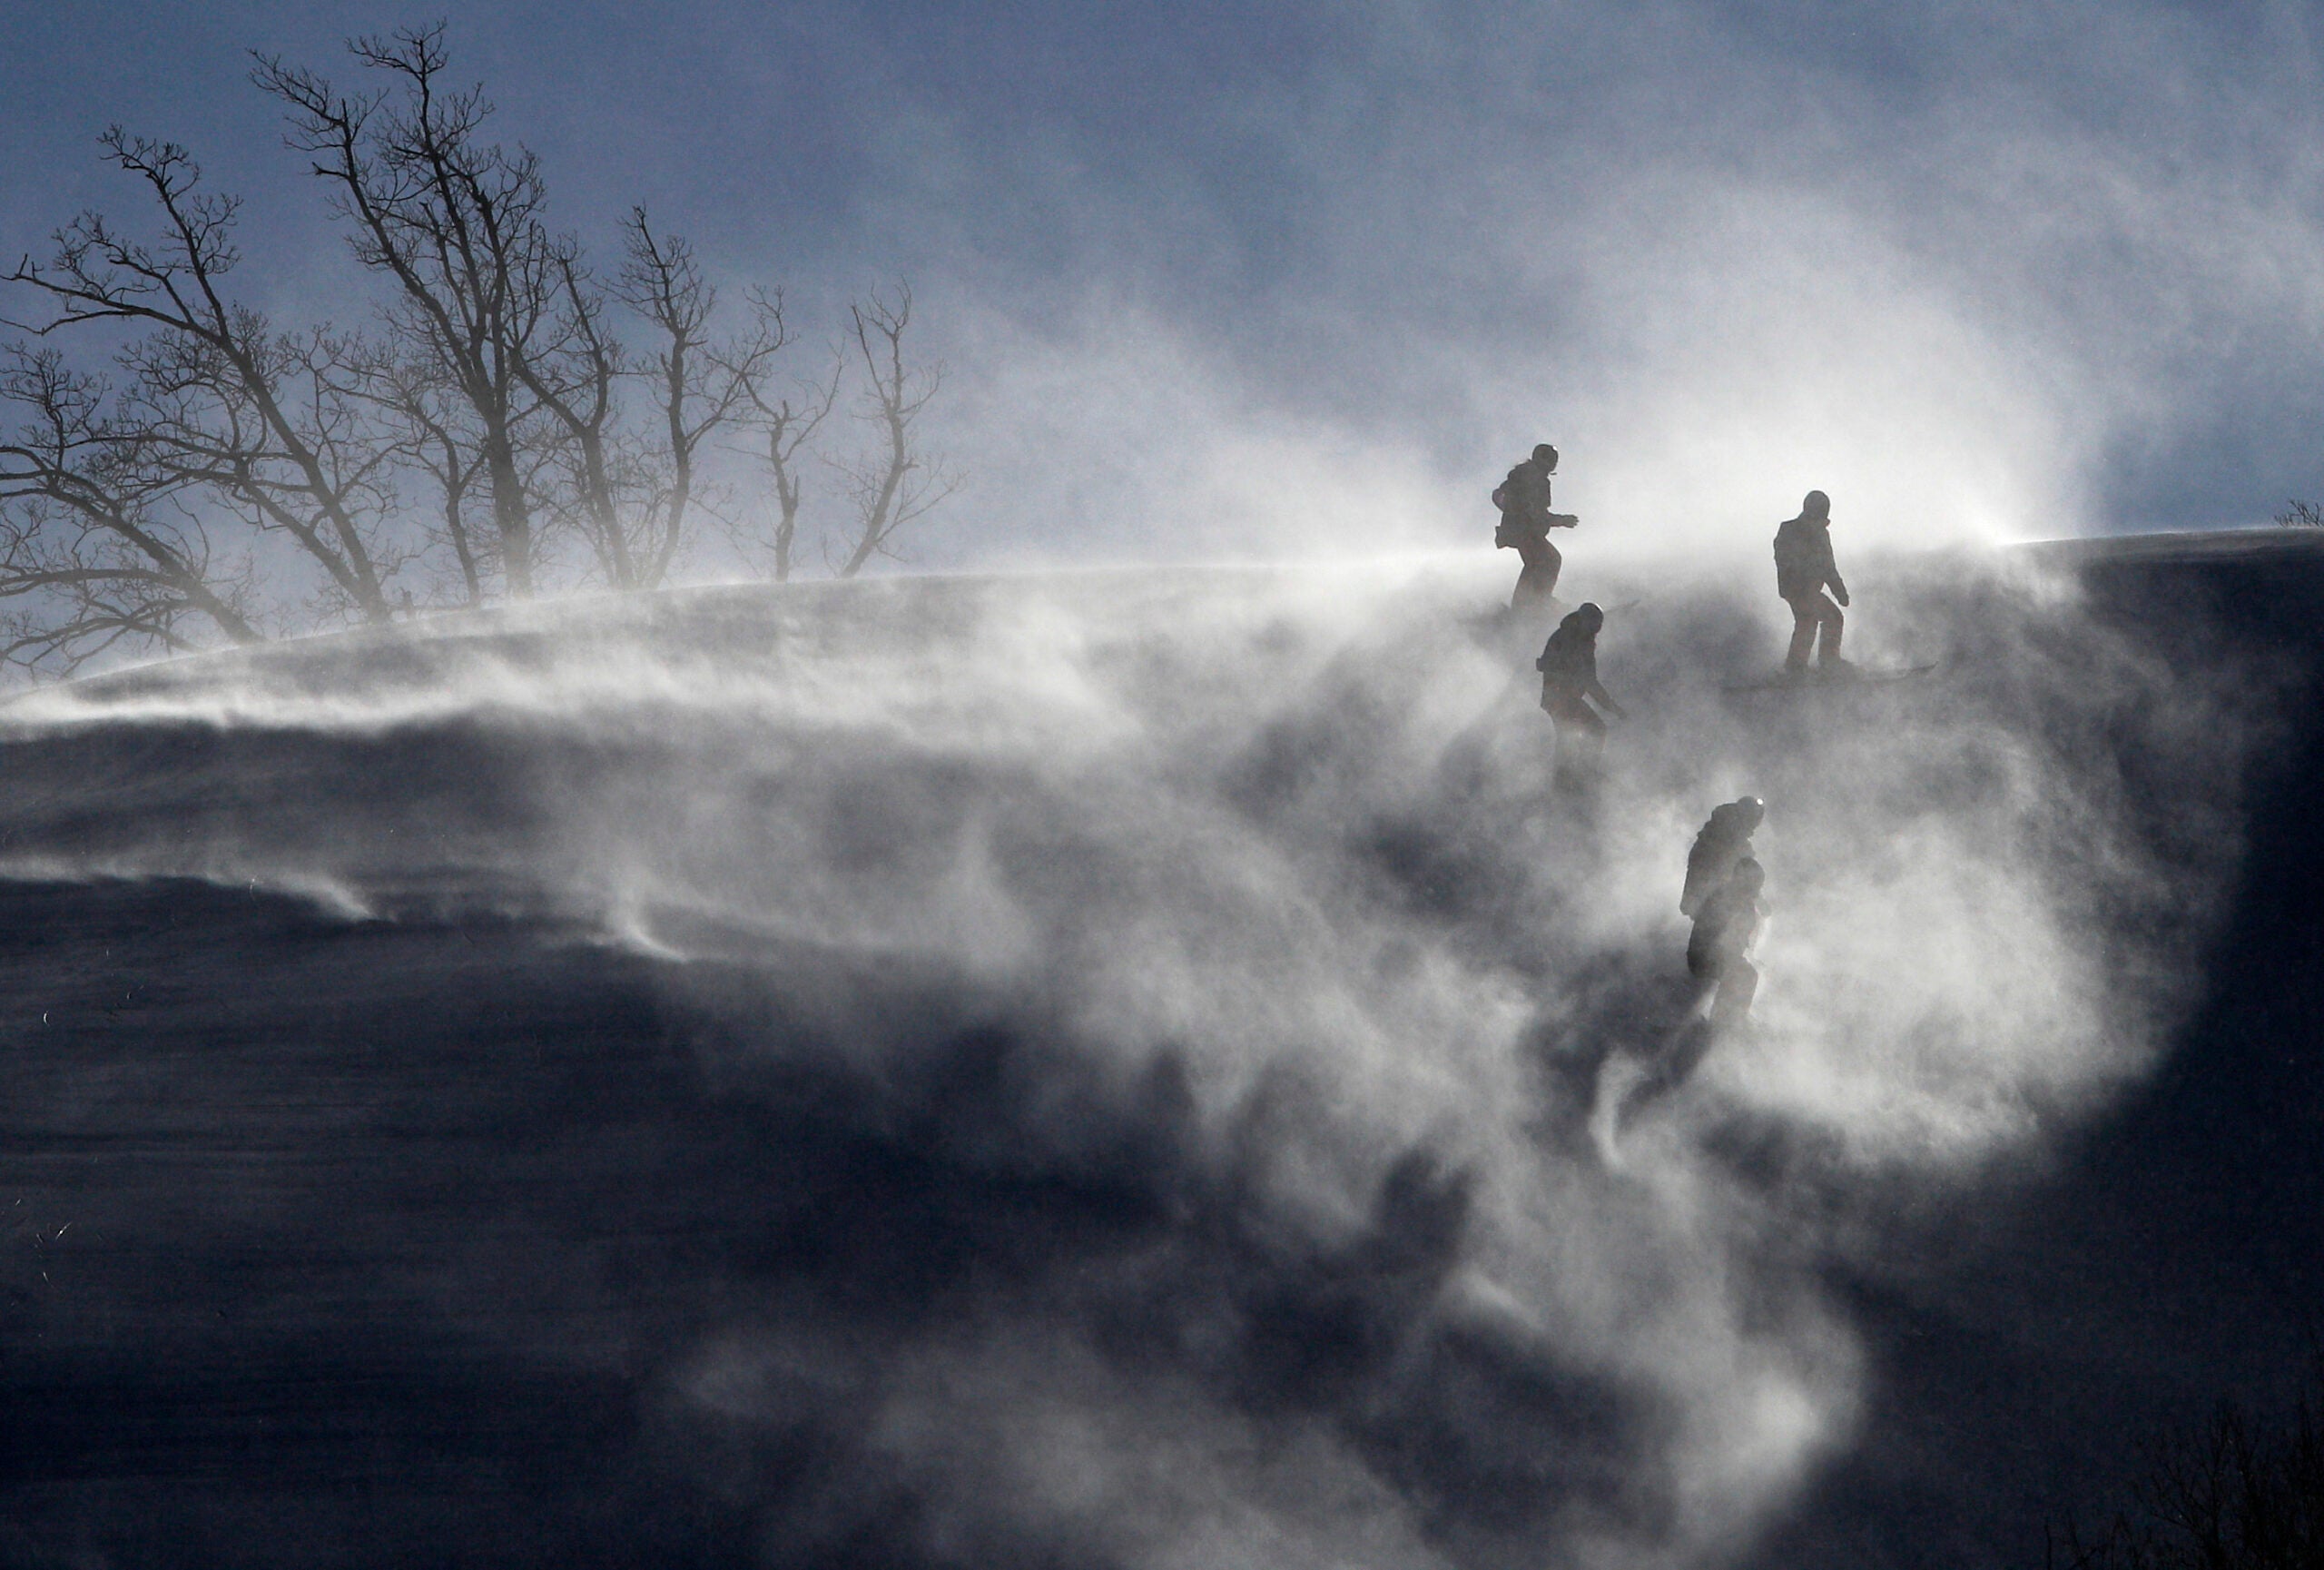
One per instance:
(1569, 667)
(1525, 523)
(1804, 569)
(1721, 844)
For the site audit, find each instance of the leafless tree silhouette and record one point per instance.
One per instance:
(262, 422)
(699, 384)
(508, 418)
(97, 545)
(895, 483)
(2235, 1493)
(785, 423)
(433, 430)
(458, 225)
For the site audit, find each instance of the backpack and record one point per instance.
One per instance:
(1515, 528)
(1510, 495)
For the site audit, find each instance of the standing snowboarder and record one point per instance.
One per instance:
(1804, 569)
(1569, 667)
(1724, 842)
(1525, 523)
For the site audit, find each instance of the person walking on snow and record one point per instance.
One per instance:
(1804, 569)
(1525, 523)
(1569, 667)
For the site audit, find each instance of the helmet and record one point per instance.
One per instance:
(1546, 455)
(1752, 809)
(1591, 614)
(1817, 504)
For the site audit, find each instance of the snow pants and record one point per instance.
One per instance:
(1732, 982)
(1537, 581)
(1815, 620)
(1572, 713)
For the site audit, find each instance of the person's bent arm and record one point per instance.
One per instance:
(1606, 700)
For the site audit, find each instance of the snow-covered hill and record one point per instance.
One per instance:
(1106, 1069)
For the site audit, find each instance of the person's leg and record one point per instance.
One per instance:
(1581, 736)
(1703, 967)
(1830, 622)
(1539, 579)
(1804, 622)
(1738, 983)
(1574, 715)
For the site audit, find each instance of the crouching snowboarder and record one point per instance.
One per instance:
(1804, 570)
(1569, 667)
(1725, 923)
(1525, 523)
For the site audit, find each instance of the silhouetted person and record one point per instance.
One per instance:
(1804, 569)
(1525, 524)
(1725, 923)
(1723, 842)
(1569, 667)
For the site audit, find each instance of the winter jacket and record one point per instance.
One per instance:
(1723, 842)
(1804, 563)
(1569, 662)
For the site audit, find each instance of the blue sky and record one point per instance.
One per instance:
(1214, 279)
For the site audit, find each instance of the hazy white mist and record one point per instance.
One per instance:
(2013, 273)
(1259, 880)
(1258, 872)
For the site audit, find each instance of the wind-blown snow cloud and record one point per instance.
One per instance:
(1288, 1156)
(1285, 1158)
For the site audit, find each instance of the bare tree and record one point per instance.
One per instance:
(2237, 1493)
(262, 421)
(437, 434)
(700, 385)
(97, 545)
(634, 490)
(507, 313)
(575, 386)
(895, 484)
(785, 423)
(521, 402)
(457, 224)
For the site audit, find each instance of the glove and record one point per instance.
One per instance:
(1841, 594)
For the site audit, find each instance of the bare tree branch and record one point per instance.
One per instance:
(896, 484)
(260, 418)
(509, 418)
(699, 385)
(90, 544)
(458, 226)
(785, 424)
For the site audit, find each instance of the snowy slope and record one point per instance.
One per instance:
(1102, 1070)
